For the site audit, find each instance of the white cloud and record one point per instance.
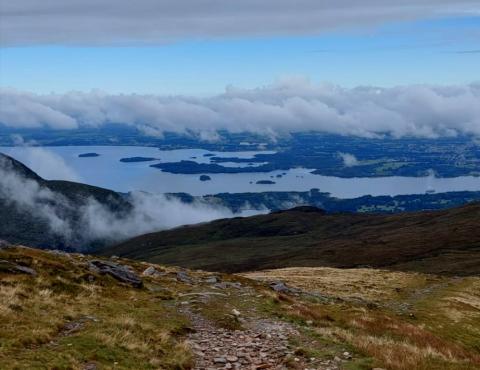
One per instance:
(281, 108)
(23, 110)
(86, 219)
(160, 21)
(46, 163)
(349, 160)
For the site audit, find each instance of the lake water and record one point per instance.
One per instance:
(107, 171)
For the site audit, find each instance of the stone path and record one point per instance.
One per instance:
(263, 344)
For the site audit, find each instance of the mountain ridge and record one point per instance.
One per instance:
(446, 241)
(29, 203)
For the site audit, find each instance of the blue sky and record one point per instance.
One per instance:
(441, 51)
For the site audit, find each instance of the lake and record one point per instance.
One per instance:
(106, 170)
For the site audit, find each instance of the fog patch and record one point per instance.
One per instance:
(82, 221)
(150, 212)
(46, 163)
(349, 160)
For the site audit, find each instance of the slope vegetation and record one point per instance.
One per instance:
(446, 241)
(74, 311)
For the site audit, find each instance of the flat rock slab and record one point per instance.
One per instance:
(9, 267)
(119, 272)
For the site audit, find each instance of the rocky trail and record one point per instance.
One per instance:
(262, 343)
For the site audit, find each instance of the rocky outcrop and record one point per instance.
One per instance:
(12, 268)
(119, 272)
(281, 287)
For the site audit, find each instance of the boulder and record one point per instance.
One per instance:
(183, 277)
(281, 287)
(9, 267)
(153, 272)
(119, 272)
(211, 280)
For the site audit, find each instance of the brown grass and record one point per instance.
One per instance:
(114, 326)
(368, 284)
(395, 339)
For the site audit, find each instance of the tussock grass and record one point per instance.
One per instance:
(418, 322)
(67, 317)
(58, 320)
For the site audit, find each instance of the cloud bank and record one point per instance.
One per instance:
(284, 107)
(160, 21)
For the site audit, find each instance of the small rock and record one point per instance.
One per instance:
(219, 360)
(183, 277)
(211, 280)
(149, 271)
(280, 287)
(90, 366)
(236, 312)
(232, 358)
(347, 355)
(153, 272)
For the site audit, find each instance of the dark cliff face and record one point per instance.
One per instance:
(26, 216)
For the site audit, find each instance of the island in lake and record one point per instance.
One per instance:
(191, 168)
(265, 182)
(205, 178)
(138, 159)
(88, 155)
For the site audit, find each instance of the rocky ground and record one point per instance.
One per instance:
(87, 313)
(262, 344)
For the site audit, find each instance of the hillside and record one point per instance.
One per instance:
(45, 213)
(82, 312)
(446, 241)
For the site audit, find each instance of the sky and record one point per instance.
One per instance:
(365, 68)
(200, 51)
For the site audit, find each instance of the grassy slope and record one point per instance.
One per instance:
(117, 324)
(395, 320)
(62, 319)
(441, 241)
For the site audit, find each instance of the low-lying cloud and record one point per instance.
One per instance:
(113, 22)
(349, 160)
(418, 110)
(80, 221)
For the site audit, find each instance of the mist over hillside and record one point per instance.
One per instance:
(63, 214)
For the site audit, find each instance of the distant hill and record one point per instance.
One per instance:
(30, 206)
(446, 241)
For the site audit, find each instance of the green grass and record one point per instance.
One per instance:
(118, 327)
